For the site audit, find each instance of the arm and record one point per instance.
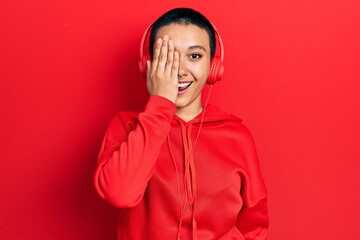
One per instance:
(253, 220)
(127, 157)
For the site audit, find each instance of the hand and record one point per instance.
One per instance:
(162, 72)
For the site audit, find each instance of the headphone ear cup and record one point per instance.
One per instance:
(216, 70)
(143, 65)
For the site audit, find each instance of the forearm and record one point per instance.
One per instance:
(125, 168)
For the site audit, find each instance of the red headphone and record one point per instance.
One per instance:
(216, 65)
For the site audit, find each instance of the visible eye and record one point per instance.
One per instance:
(195, 56)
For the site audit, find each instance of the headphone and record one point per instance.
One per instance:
(216, 64)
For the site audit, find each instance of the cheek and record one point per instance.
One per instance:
(201, 71)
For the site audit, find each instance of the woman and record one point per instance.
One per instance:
(179, 170)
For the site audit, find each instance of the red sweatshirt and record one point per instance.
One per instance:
(172, 182)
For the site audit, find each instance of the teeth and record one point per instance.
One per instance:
(182, 85)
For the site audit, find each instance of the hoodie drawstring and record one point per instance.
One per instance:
(190, 176)
(189, 179)
(190, 183)
(178, 187)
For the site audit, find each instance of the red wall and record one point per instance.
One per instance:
(292, 73)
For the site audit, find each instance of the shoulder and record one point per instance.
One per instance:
(238, 126)
(120, 126)
(126, 116)
(125, 119)
(230, 124)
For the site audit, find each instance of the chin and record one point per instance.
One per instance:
(181, 104)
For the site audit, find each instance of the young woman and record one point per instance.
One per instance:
(178, 170)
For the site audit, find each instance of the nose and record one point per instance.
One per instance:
(182, 70)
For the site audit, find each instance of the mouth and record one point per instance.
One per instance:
(182, 86)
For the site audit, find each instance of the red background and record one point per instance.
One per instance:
(292, 73)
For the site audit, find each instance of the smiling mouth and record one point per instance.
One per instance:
(184, 85)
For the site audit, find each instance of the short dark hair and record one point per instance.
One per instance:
(183, 16)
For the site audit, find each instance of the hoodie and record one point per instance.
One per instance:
(173, 179)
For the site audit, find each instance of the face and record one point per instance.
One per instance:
(193, 46)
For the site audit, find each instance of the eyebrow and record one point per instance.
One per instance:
(196, 47)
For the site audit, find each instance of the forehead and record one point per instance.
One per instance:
(185, 35)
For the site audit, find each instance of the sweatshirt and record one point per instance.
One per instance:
(173, 179)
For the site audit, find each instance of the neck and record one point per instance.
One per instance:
(189, 112)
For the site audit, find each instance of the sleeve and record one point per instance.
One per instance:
(253, 220)
(127, 157)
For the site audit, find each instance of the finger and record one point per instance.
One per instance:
(175, 66)
(148, 70)
(163, 54)
(170, 58)
(156, 54)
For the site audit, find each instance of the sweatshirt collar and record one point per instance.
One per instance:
(212, 114)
